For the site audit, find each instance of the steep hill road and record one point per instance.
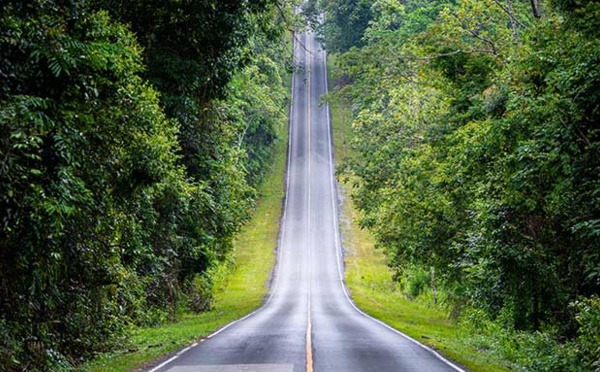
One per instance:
(308, 322)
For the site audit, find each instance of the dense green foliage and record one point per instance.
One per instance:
(348, 20)
(477, 127)
(132, 136)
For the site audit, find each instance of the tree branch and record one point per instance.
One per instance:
(510, 14)
(535, 6)
(449, 54)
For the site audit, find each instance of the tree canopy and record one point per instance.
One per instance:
(133, 135)
(476, 128)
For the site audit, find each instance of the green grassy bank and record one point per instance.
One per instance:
(370, 280)
(240, 287)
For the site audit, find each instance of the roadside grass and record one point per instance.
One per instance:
(241, 284)
(370, 282)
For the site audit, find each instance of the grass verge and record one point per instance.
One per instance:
(240, 286)
(369, 279)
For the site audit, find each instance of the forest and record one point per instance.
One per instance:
(133, 135)
(476, 124)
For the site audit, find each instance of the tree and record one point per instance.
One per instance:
(345, 23)
(84, 142)
(124, 172)
(479, 153)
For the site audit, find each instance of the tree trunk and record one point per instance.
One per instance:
(433, 285)
(535, 7)
(513, 21)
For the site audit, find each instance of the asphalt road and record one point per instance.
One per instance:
(308, 322)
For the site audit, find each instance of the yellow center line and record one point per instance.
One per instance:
(309, 357)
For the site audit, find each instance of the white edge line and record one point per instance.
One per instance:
(307, 56)
(339, 248)
(280, 240)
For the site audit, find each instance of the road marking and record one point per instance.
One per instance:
(309, 357)
(235, 368)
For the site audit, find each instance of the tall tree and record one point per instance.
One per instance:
(116, 199)
(345, 23)
(479, 154)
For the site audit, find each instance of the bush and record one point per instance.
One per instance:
(588, 340)
(414, 281)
